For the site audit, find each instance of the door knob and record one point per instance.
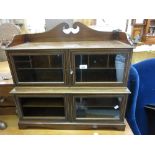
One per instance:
(71, 72)
(2, 99)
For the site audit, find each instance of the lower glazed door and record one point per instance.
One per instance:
(98, 108)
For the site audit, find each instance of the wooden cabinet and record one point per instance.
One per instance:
(144, 31)
(149, 31)
(71, 81)
(137, 31)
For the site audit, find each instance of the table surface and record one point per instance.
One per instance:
(12, 129)
(12, 121)
(5, 70)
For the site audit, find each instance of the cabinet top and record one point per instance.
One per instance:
(71, 45)
(77, 37)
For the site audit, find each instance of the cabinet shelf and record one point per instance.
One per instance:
(100, 68)
(42, 102)
(43, 111)
(29, 104)
(40, 68)
(97, 114)
(22, 61)
(42, 106)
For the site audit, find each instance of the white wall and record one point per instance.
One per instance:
(35, 25)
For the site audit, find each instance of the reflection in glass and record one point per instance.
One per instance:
(120, 65)
(100, 68)
(98, 107)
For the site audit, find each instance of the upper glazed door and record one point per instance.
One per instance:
(100, 67)
(42, 67)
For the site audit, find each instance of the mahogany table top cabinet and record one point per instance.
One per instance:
(70, 78)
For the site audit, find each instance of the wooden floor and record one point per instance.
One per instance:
(12, 129)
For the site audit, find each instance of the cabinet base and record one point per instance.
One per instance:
(28, 124)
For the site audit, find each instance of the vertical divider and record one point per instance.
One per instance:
(108, 61)
(73, 108)
(127, 66)
(71, 68)
(68, 107)
(122, 110)
(81, 71)
(30, 60)
(88, 61)
(49, 61)
(66, 66)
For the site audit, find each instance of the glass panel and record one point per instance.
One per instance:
(56, 61)
(42, 106)
(100, 68)
(98, 61)
(112, 61)
(40, 75)
(95, 75)
(22, 64)
(21, 58)
(98, 107)
(40, 61)
(81, 59)
(36, 68)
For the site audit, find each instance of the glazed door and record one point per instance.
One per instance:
(98, 107)
(100, 67)
(39, 67)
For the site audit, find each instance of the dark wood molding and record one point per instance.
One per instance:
(28, 124)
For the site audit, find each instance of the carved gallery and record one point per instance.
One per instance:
(77, 76)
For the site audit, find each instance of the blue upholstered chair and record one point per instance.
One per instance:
(142, 86)
(133, 85)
